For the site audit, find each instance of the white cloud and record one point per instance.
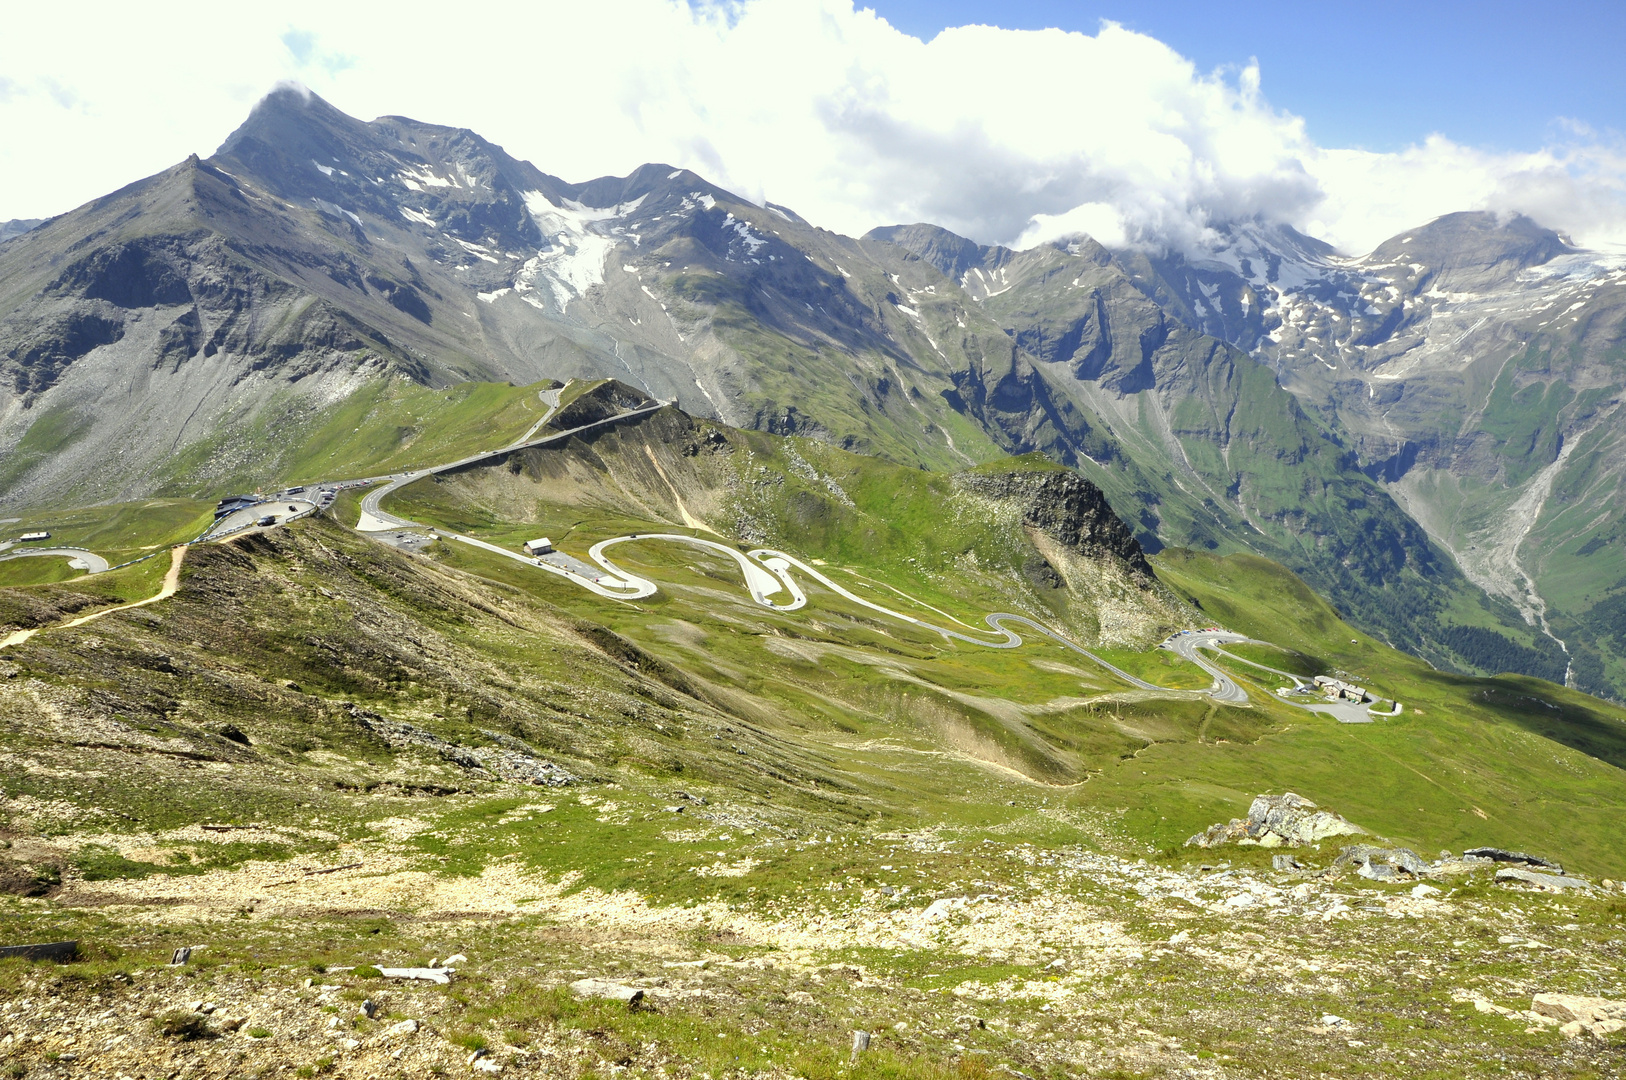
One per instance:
(1002, 135)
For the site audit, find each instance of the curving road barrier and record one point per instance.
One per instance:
(78, 558)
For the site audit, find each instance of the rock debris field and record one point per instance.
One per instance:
(955, 957)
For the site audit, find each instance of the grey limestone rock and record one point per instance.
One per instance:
(1545, 881)
(1296, 820)
(507, 761)
(1071, 510)
(1381, 863)
(1275, 820)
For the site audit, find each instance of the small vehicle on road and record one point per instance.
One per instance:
(268, 519)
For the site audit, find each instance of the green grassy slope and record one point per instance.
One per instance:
(773, 797)
(1541, 750)
(1469, 761)
(119, 533)
(385, 425)
(1510, 760)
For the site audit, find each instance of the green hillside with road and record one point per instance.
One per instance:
(318, 725)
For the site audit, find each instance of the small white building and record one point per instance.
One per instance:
(543, 546)
(35, 536)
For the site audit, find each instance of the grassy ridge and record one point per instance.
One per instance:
(384, 426)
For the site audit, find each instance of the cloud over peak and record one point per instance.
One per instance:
(1004, 136)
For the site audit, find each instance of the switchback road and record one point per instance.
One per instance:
(1186, 645)
(78, 558)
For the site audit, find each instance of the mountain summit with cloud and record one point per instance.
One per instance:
(1008, 137)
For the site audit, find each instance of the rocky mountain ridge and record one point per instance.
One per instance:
(195, 325)
(17, 226)
(1476, 364)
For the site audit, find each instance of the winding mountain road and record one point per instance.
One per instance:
(375, 519)
(78, 558)
(1345, 712)
(767, 572)
(1187, 647)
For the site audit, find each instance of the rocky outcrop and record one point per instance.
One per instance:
(1275, 821)
(608, 399)
(509, 760)
(1381, 863)
(1519, 857)
(1549, 882)
(1070, 510)
(1576, 1015)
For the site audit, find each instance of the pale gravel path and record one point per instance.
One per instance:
(172, 583)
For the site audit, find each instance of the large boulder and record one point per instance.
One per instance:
(1567, 1007)
(1595, 1016)
(1278, 820)
(1296, 820)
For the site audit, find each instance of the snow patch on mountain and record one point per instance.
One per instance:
(476, 249)
(578, 243)
(334, 210)
(418, 179)
(742, 230)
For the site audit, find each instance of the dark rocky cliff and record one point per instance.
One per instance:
(1070, 510)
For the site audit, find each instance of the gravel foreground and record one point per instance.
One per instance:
(957, 958)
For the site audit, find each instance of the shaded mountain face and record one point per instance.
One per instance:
(1476, 364)
(17, 226)
(185, 333)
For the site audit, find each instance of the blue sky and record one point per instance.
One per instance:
(1377, 75)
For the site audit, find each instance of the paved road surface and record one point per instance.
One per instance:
(375, 519)
(762, 583)
(282, 511)
(550, 398)
(1187, 645)
(613, 588)
(78, 558)
(1345, 712)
